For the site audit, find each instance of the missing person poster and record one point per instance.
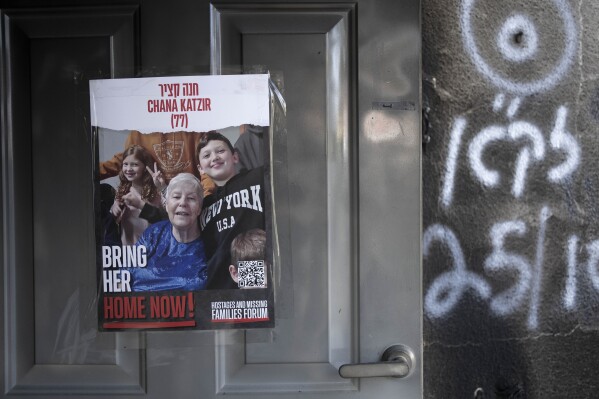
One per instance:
(183, 202)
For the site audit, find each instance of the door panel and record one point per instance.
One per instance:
(305, 77)
(308, 46)
(62, 342)
(347, 201)
(49, 322)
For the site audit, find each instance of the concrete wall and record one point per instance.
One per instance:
(511, 185)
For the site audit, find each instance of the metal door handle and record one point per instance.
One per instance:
(396, 362)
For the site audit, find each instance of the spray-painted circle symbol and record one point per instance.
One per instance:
(523, 87)
(517, 40)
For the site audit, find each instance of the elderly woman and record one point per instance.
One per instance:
(175, 251)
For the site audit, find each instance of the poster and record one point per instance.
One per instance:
(183, 202)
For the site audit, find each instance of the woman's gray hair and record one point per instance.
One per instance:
(187, 178)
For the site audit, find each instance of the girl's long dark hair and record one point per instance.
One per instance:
(149, 191)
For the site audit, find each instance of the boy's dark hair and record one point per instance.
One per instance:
(249, 245)
(210, 136)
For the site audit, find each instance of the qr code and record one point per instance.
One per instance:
(251, 274)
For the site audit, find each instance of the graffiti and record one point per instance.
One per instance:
(513, 132)
(452, 160)
(517, 41)
(513, 107)
(533, 315)
(560, 141)
(593, 250)
(512, 298)
(500, 156)
(525, 45)
(449, 287)
(570, 291)
(563, 141)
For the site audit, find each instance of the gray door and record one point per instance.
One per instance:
(347, 196)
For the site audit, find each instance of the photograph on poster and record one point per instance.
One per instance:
(183, 200)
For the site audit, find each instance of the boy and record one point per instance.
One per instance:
(248, 260)
(236, 205)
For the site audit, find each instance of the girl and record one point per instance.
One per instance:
(135, 178)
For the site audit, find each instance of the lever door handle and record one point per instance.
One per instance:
(396, 362)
